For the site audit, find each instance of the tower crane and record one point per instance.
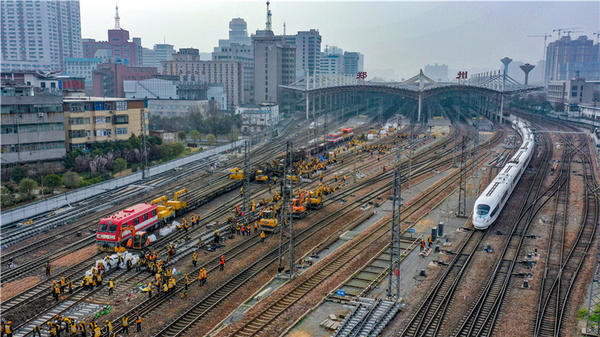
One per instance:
(564, 30)
(545, 36)
(568, 32)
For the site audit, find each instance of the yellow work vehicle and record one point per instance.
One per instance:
(177, 204)
(315, 198)
(298, 208)
(261, 177)
(163, 210)
(294, 178)
(236, 174)
(268, 221)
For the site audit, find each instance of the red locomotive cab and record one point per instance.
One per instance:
(348, 132)
(121, 226)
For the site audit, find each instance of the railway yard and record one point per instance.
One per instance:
(223, 260)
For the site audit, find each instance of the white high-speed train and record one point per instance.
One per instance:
(491, 202)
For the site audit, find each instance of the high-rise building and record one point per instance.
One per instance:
(437, 72)
(121, 50)
(308, 51)
(238, 48)
(353, 63)
(565, 57)
(160, 52)
(39, 34)
(274, 63)
(197, 75)
(332, 61)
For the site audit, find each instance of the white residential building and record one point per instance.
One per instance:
(39, 34)
(258, 118)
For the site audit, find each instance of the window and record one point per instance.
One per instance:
(136, 221)
(102, 228)
(121, 119)
(483, 209)
(145, 216)
(112, 229)
(154, 213)
(120, 131)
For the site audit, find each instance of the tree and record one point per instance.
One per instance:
(195, 135)
(235, 133)
(181, 135)
(27, 186)
(210, 138)
(52, 181)
(18, 173)
(71, 179)
(119, 165)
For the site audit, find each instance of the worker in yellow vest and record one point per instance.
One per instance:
(125, 324)
(111, 286)
(138, 322)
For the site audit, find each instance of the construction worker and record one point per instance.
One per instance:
(200, 277)
(70, 286)
(56, 292)
(204, 276)
(125, 324)
(222, 262)
(73, 328)
(63, 284)
(82, 329)
(186, 281)
(255, 226)
(48, 269)
(52, 329)
(37, 331)
(8, 329)
(148, 289)
(165, 288)
(111, 286)
(108, 326)
(138, 323)
(429, 241)
(262, 236)
(194, 258)
(97, 331)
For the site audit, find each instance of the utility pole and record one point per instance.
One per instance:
(286, 195)
(143, 140)
(393, 291)
(411, 150)
(462, 192)
(455, 137)
(246, 185)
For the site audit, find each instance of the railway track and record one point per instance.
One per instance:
(482, 316)
(558, 282)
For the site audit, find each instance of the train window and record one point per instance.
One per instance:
(483, 209)
(154, 213)
(494, 212)
(112, 229)
(145, 217)
(136, 221)
(102, 228)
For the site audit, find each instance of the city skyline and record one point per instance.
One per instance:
(503, 28)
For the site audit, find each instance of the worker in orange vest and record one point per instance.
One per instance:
(222, 262)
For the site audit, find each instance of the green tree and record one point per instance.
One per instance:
(18, 173)
(119, 165)
(181, 135)
(210, 138)
(195, 135)
(71, 179)
(27, 186)
(235, 133)
(52, 181)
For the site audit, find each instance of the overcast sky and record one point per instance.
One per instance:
(397, 38)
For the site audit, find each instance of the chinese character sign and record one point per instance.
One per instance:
(461, 75)
(361, 75)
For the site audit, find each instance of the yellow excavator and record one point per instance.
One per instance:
(236, 174)
(261, 177)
